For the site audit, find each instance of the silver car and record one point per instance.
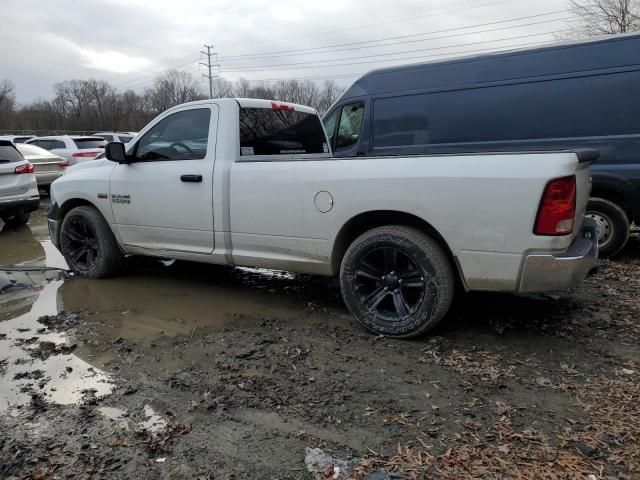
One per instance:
(76, 149)
(48, 166)
(18, 189)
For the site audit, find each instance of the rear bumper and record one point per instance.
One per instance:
(559, 271)
(47, 178)
(13, 207)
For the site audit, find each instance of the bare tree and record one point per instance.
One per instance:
(222, 88)
(242, 88)
(601, 17)
(172, 88)
(7, 103)
(329, 93)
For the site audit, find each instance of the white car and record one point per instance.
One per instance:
(252, 182)
(48, 166)
(75, 149)
(17, 138)
(123, 137)
(18, 188)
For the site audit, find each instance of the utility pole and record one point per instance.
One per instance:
(209, 54)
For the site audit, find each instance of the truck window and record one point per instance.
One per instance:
(265, 131)
(350, 125)
(181, 136)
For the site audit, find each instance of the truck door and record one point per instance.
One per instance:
(163, 200)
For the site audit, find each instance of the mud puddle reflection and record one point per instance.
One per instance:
(35, 359)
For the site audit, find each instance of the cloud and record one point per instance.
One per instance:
(125, 41)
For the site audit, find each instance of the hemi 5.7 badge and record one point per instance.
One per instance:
(120, 198)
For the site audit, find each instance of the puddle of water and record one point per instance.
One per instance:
(154, 300)
(24, 369)
(153, 422)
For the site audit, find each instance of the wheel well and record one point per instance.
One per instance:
(615, 197)
(379, 218)
(69, 205)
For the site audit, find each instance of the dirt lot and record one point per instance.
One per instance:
(191, 371)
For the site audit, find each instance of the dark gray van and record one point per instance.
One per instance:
(564, 96)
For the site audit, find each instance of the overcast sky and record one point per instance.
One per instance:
(128, 41)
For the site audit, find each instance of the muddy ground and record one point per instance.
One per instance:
(192, 371)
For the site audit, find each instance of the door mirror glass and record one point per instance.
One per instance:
(350, 125)
(115, 152)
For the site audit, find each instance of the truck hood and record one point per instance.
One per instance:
(87, 164)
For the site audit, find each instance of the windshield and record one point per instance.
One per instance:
(89, 143)
(9, 154)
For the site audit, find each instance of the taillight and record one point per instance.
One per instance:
(63, 164)
(25, 168)
(281, 106)
(557, 207)
(84, 154)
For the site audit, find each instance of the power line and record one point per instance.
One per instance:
(289, 66)
(308, 50)
(367, 25)
(209, 65)
(506, 48)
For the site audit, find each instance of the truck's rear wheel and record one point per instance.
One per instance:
(88, 245)
(397, 281)
(613, 225)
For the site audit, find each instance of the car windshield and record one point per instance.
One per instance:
(89, 143)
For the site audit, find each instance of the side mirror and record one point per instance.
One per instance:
(115, 152)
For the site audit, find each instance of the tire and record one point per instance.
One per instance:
(397, 281)
(18, 219)
(613, 226)
(88, 245)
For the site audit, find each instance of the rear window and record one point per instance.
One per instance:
(280, 132)
(21, 139)
(125, 139)
(89, 143)
(9, 154)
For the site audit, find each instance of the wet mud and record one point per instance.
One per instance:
(177, 370)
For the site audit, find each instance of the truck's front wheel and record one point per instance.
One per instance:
(397, 281)
(88, 245)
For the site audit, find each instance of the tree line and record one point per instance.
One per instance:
(94, 105)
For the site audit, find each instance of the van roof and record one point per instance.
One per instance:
(604, 52)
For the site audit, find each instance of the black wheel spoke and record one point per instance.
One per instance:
(367, 271)
(390, 272)
(76, 255)
(413, 279)
(74, 235)
(391, 259)
(91, 256)
(400, 304)
(374, 299)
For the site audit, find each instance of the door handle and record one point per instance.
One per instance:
(191, 178)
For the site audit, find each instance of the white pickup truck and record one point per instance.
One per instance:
(253, 183)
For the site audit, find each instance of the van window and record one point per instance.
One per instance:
(264, 131)
(350, 125)
(180, 136)
(564, 108)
